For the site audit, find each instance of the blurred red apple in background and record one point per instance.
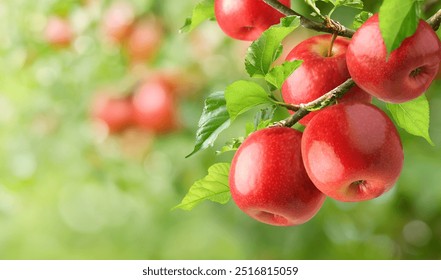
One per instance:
(58, 32)
(115, 113)
(145, 39)
(118, 20)
(155, 106)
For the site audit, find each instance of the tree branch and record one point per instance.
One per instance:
(323, 101)
(329, 26)
(435, 20)
(288, 106)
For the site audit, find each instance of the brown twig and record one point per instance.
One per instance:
(330, 26)
(288, 106)
(435, 20)
(328, 98)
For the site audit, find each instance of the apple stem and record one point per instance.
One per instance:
(334, 36)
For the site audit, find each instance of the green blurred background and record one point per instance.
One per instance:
(70, 191)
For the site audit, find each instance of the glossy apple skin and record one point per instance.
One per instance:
(246, 19)
(58, 32)
(319, 73)
(155, 107)
(268, 180)
(118, 20)
(115, 113)
(145, 39)
(438, 75)
(393, 80)
(352, 152)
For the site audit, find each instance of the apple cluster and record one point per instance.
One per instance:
(151, 106)
(350, 151)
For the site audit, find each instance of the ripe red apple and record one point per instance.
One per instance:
(319, 73)
(268, 180)
(352, 151)
(118, 20)
(58, 32)
(405, 74)
(438, 75)
(246, 19)
(114, 112)
(155, 108)
(145, 39)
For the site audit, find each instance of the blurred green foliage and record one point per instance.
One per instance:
(68, 192)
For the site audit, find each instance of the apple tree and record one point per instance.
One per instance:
(326, 117)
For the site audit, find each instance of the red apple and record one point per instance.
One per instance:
(268, 180)
(319, 73)
(405, 74)
(58, 32)
(438, 75)
(118, 20)
(352, 151)
(145, 39)
(155, 107)
(114, 112)
(246, 19)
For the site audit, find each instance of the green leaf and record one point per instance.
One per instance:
(231, 145)
(249, 128)
(242, 96)
(361, 18)
(265, 50)
(356, 4)
(213, 187)
(277, 76)
(312, 4)
(201, 12)
(213, 121)
(262, 119)
(413, 116)
(398, 20)
(264, 115)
